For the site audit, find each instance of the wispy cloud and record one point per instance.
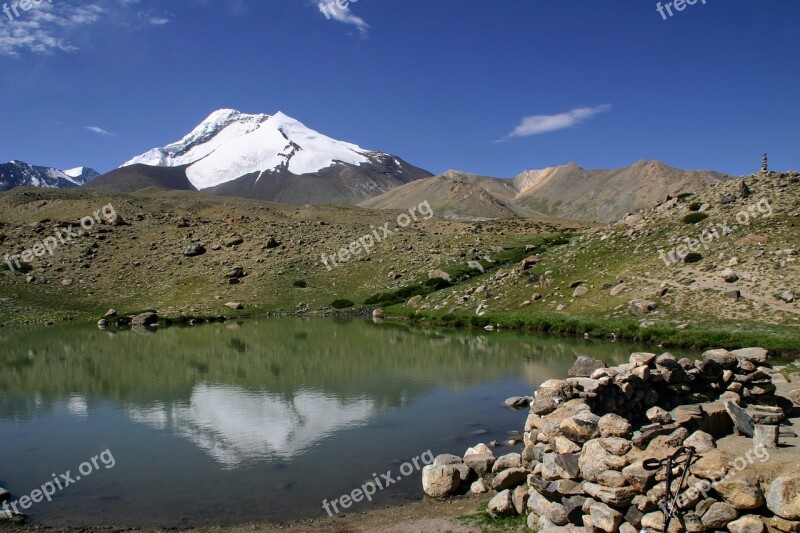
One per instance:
(538, 124)
(339, 10)
(51, 27)
(100, 131)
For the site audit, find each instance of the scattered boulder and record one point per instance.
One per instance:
(501, 504)
(584, 367)
(441, 480)
(510, 478)
(194, 250)
(641, 307)
(145, 319)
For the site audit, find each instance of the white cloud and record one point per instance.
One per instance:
(50, 27)
(537, 124)
(339, 10)
(100, 131)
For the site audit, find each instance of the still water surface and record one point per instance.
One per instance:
(256, 420)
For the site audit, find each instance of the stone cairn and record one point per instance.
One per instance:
(587, 437)
(764, 165)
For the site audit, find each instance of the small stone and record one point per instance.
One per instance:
(659, 415)
(765, 436)
(729, 276)
(236, 306)
(605, 518)
(510, 478)
(504, 462)
(479, 487)
(480, 463)
(719, 515)
(581, 427)
(501, 504)
(747, 524)
(520, 499)
(612, 425)
(700, 441)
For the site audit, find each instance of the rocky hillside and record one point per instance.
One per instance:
(180, 253)
(726, 253)
(568, 191)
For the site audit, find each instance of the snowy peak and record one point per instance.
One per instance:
(21, 174)
(230, 144)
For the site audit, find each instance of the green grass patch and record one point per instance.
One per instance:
(694, 218)
(790, 371)
(695, 206)
(487, 524)
(342, 304)
(300, 284)
(779, 340)
(23, 268)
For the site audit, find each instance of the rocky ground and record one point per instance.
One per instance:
(180, 254)
(747, 270)
(588, 439)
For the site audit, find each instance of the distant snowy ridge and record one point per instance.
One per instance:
(230, 144)
(21, 174)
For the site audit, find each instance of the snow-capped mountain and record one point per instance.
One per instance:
(265, 156)
(20, 174)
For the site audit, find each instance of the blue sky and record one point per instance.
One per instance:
(487, 87)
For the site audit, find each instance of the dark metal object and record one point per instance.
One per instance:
(680, 460)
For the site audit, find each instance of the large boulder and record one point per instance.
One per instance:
(440, 480)
(481, 463)
(584, 367)
(723, 358)
(509, 479)
(741, 492)
(145, 319)
(783, 497)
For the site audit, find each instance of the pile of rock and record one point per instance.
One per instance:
(587, 437)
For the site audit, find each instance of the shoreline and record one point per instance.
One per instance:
(590, 437)
(783, 342)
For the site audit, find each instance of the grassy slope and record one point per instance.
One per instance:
(141, 266)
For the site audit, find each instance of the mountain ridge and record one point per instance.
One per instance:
(21, 174)
(567, 191)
